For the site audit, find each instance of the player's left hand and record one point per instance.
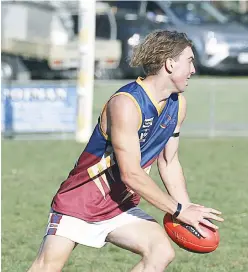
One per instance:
(194, 214)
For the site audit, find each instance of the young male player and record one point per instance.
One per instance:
(140, 123)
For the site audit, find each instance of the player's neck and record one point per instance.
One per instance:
(159, 89)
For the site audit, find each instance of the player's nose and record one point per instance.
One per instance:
(192, 69)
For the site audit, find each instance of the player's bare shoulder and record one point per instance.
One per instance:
(123, 109)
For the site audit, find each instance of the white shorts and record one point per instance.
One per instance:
(88, 233)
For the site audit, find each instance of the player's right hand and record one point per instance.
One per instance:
(193, 214)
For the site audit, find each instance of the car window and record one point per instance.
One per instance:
(197, 12)
(102, 26)
(127, 5)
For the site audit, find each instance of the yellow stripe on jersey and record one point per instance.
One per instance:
(104, 134)
(154, 102)
(179, 107)
(101, 166)
(108, 161)
(90, 172)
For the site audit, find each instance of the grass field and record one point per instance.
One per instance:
(216, 172)
(217, 175)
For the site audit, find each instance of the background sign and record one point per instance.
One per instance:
(39, 109)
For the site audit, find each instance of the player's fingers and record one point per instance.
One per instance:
(210, 210)
(197, 205)
(200, 206)
(213, 216)
(200, 230)
(216, 212)
(208, 223)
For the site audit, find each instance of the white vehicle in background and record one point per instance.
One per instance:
(47, 48)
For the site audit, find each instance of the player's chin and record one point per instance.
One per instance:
(183, 88)
(178, 91)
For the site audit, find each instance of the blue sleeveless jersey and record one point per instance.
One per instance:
(157, 125)
(93, 190)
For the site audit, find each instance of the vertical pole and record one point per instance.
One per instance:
(85, 84)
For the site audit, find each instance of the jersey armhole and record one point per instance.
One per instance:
(104, 134)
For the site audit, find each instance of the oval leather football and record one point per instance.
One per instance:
(189, 238)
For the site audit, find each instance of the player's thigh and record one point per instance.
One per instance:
(55, 250)
(142, 237)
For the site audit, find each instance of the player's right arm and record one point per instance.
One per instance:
(123, 120)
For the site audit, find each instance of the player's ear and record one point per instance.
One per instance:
(169, 65)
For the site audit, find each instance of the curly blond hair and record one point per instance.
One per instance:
(158, 46)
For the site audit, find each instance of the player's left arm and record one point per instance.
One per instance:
(169, 166)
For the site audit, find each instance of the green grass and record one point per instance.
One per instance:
(216, 171)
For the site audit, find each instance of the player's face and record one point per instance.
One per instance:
(182, 69)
